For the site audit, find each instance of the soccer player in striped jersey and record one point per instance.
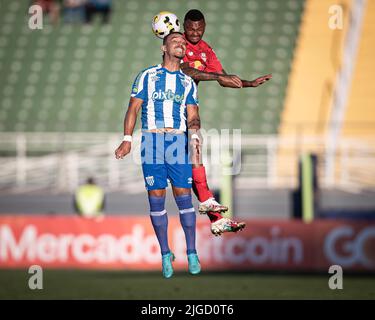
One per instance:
(169, 104)
(202, 64)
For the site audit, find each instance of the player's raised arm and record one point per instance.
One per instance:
(199, 75)
(256, 82)
(246, 83)
(225, 80)
(129, 124)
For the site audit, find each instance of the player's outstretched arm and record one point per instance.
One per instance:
(130, 120)
(250, 83)
(198, 75)
(256, 82)
(225, 80)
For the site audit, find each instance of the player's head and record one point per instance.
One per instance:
(174, 44)
(90, 180)
(194, 26)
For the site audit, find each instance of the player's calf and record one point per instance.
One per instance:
(188, 222)
(159, 220)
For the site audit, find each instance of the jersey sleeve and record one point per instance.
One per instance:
(213, 63)
(139, 88)
(192, 97)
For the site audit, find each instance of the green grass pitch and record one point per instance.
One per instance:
(82, 284)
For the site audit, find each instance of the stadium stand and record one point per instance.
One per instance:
(77, 78)
(310, 116)
(317, 60)
(359, 119)
(360, 109)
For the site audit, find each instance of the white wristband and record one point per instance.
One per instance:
(195, 136)
(127, 138)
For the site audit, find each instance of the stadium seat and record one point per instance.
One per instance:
(73, 77)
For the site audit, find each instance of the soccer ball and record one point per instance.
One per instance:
(164, 23)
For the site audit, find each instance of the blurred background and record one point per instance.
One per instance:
(308, 135)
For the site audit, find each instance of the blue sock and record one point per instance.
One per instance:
(159, 220)
(188, 221)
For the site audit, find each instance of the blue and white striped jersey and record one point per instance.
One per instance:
(165, 95)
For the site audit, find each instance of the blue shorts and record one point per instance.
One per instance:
(165, 156)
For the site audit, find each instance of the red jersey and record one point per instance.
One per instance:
(201, 56)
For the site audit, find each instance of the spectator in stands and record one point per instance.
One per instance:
(51, 9)
(102, 7)
(89, 200)
(74, 11)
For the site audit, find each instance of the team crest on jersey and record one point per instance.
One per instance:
(204, 57)
(150, 180)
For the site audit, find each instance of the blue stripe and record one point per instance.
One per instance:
(190, 97)
(144, 104)
(187, 100)
(159, 103)
(180, 90)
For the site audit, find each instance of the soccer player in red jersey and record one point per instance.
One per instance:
(202, 64)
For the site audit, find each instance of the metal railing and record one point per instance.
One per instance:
(53, 162)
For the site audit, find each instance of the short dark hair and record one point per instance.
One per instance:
(167, 36)
(90, 180)
(194, 15)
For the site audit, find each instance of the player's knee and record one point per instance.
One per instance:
(157, 205)
(184, 203)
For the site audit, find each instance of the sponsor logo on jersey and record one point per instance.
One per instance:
(155, 78)
(190, 180)
(204, 57)
(167, 95)
(198, 65)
